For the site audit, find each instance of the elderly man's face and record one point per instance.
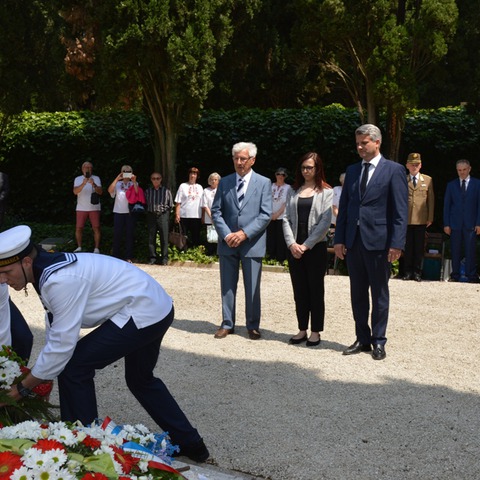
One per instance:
(243, 162)
(87, 167)
(463, 170)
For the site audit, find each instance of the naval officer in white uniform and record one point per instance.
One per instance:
(132, 313)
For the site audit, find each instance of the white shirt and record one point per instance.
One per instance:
(207, 201)
(87, 293)
(279, 198)
(83, 198)
(120, 195)
(5, 332)
(188, 196)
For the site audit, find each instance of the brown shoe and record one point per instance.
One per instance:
(254, 335)
(223, 332)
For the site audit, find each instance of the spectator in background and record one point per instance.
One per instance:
(421, 202)
(159, 205)
(276, 246)
(206, 204)
(307, 220)
(123, 220)
(83, 187)
(461, 220)
(337, 191)
(187, 207)
(4, 193)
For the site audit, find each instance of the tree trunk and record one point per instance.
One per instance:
(395, 122)
(165, 116)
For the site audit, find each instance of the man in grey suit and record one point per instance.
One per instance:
(241, 211)
(370, 233)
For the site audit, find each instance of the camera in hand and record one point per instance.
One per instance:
(127, 174)
(88, 174)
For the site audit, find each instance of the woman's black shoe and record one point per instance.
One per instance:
(313, 344)
(296, 341)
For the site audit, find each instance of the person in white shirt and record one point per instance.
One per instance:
(83, 187)
(187, 207)
(129, 313)
(206, 205)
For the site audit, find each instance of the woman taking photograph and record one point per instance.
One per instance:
(306, 222)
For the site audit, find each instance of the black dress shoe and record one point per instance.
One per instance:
(407, 276)
(197, 452)
(254, 335)
(378, 352)
(297, 341)
(357, 347)
(417, 277)
(313, 344)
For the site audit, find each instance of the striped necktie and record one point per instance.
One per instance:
(240, 191)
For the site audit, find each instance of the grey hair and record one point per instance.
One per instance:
(371, 130)
(466, 162)
(251, 147)
(213, 175)
(87, 163)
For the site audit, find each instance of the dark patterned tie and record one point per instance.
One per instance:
(363, 182)
(240, 191)
(464, 186)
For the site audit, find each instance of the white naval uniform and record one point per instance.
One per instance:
(86, 293)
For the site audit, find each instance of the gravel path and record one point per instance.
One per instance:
(282, 412)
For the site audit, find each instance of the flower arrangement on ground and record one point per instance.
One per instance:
(58, 450)
(12, 371)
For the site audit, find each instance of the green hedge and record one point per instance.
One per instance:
(42, 153)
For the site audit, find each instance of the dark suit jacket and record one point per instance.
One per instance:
(382, 213)
(462, 211)
(252, 217)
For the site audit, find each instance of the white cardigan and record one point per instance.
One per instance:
(319, 218)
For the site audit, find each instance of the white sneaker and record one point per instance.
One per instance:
(77, 250)
(96, 250)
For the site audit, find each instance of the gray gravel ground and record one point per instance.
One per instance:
(271, 410)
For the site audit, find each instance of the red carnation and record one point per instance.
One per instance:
(94, 476)
(45, 445)
(91, 442)
(9, 462)
(126, 460)
(43, 389)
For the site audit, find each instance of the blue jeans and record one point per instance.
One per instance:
(140, 348)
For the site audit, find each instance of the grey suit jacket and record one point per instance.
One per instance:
(252, 217)
(318, 221)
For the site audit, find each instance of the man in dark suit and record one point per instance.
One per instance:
(370, 234)
(241, 211)
(461, 220)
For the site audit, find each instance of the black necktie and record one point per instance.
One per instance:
(464, 186)
(363, 182)
(414, 180)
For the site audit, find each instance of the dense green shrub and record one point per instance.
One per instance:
(42, 153)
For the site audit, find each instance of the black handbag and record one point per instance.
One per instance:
(94, 198)
(177, 237)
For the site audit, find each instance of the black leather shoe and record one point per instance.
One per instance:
(254, 335)
(357, 347)
(417, 277)
(313, 344)
(197, 452)
(407, 276)
(297, 341)
(378, 352)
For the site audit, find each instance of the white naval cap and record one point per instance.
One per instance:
(15, 244)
